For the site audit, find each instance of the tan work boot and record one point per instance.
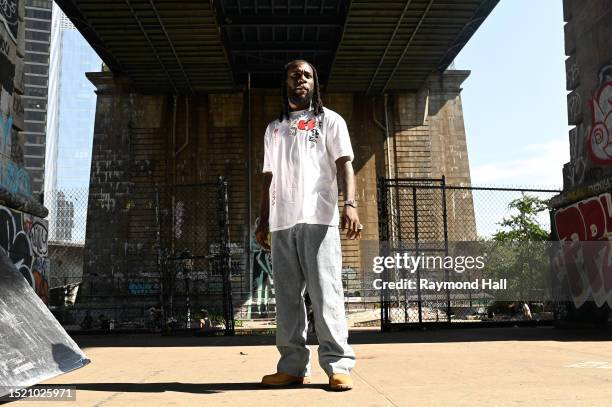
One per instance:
(282, 379)
(340, 382)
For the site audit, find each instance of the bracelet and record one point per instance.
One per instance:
(351, 203)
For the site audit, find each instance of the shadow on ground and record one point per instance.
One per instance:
(195, 388)
(358, 337)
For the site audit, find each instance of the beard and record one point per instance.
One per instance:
(300, 100)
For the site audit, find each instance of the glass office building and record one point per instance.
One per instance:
(72, 106)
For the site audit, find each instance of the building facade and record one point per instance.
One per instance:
(36, 81)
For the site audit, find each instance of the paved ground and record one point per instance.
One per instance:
(491, 366)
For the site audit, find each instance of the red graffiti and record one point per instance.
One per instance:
(586, 266)
(41, 286)
(588, 220)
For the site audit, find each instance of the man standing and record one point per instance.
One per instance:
(305, 150)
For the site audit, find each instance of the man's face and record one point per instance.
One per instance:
(300, 85)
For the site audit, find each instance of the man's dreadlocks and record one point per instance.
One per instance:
(316, 102)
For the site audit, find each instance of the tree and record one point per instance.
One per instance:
(524, 226)
(518, 251)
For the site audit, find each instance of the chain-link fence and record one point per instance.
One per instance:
(66, 241)
(179, 263)
(427, 218)
(171, 263)
(196, 259)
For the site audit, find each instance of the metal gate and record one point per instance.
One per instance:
(427, 217)
(412, 220)
(194, 258)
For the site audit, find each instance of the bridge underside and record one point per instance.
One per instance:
(192, 46)
(175, 111)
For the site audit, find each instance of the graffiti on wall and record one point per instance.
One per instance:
(13, 176)
(599, 142)
(140, 287)
(7, 68)
(262, 281)
(585, 266)
(590, 142)
(9, 16)
(6, 124)
(24, 238)
(574, 107)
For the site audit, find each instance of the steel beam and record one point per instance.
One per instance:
(178, 60)
(144, 32)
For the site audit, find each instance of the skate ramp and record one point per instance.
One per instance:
(33, 345)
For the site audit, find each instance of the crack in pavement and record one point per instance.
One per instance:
(374, 388)
(114, 395)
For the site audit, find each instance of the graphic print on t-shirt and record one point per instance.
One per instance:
(310, 128)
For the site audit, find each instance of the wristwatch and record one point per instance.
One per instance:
(351, 203)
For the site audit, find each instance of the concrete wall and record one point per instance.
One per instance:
(584, 209)
(588, 45)
(133, 152)
(23, 235)
(24, 238)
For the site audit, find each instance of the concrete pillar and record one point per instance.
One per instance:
(582, 211)
(128, 159)
(429, 142)
(107, 222)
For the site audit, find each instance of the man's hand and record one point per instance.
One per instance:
(350, 222)
(261, 234)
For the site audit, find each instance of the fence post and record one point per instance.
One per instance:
(160, 266)
(415, 219)
(226, 262)
(445, 228)
(383, 238)
(555, 293)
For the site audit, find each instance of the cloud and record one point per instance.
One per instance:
(540, 166)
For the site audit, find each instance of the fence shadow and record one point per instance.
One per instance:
(360, 337)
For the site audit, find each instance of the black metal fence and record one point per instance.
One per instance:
(422, 217)
(178, 261)
(184, 270)
(195, 259)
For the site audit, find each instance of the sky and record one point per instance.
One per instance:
(514, 101)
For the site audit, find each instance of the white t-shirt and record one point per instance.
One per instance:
(301, 154)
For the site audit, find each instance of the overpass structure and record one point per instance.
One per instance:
(189, 90)
(191, 46)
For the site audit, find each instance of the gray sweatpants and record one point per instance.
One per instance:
(308, 258)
